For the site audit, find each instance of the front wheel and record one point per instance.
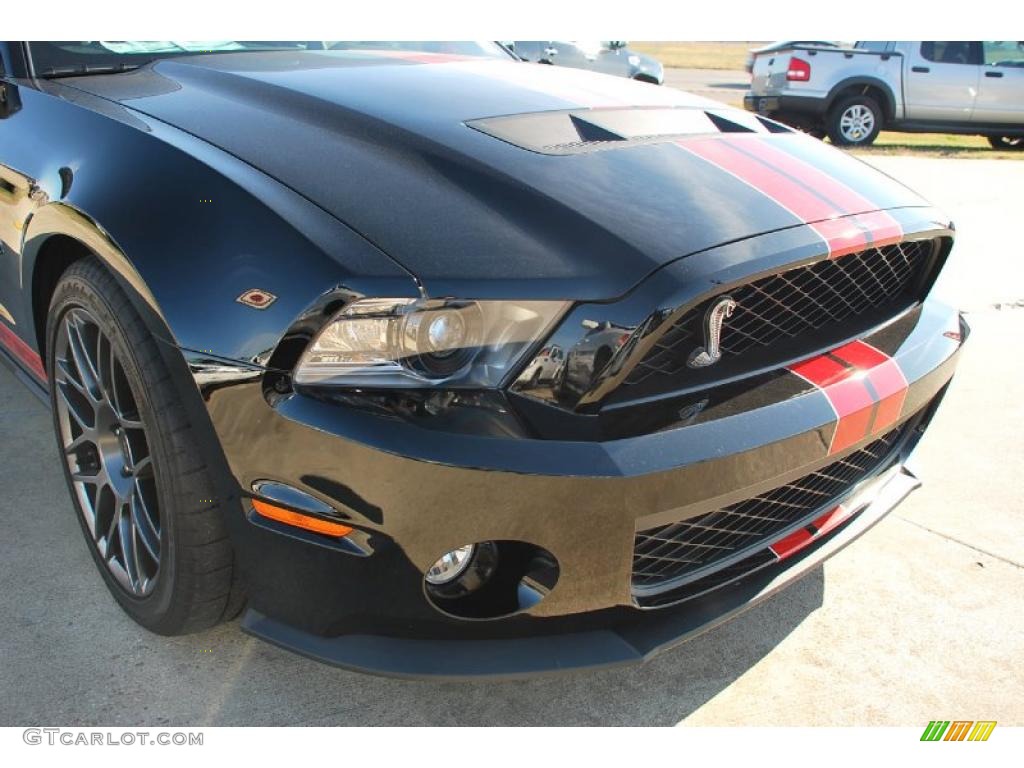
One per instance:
(1007, 142)
(144, 499)
(854, 121)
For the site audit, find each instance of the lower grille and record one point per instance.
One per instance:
(665, 556)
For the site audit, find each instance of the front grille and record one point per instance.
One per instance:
(798, 311)
(664, 556)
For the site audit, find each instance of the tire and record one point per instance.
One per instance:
(854, 121)
(143, 497)
(1012, 143)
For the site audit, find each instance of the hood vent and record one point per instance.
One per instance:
(588, 130)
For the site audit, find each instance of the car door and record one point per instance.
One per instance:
(16, 202)
(611, 59)
(1001, 89)
(566, 54)
(531, 50)
(940, 80)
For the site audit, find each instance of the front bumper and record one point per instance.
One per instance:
(626, 639)
(413, 491)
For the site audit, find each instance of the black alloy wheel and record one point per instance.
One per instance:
(107, 452)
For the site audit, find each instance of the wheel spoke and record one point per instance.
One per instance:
(126, 538)
(106, 541)
(65, 376)
(131, 424)
(84, 439)
(87, 502)
(143, 468)
(86, 369)
(86, 419)
(90, 479)
(105, 369)
(148, 533)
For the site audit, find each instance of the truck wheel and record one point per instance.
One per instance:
(854, 121)
(1007, 142)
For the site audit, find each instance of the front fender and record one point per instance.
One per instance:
(185, 227)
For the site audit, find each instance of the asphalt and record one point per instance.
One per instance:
(921, 618)
(726, 85)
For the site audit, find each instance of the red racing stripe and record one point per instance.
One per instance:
(794, 197)
(831, 520)
(794, 542)
(879, 227)
(842, 217)
(23, 352)
(842, 236)
(823, 184)
(849, 397)
(886, 379)
(865, 387)
(882, 228)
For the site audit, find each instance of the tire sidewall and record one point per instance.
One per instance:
(76, 290)
(1000, 143)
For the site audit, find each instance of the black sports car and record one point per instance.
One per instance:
(284, 300)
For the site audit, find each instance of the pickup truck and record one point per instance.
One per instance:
(850, 94)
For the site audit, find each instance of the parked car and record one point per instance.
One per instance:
(287, 306)
(591, 355)
(611, 57)
(782, 45)
(546, 366)
(852, 94)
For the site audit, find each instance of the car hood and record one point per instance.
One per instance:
(488, 178)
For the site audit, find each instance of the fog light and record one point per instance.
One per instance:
(451, 565)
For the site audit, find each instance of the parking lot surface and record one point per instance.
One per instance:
(923, 617)
(721, 84)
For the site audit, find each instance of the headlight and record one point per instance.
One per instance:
(408, 343)
(634, 61)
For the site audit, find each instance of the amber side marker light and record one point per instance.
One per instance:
(288, 517)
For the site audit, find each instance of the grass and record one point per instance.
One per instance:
(937, 145)
(699, 55)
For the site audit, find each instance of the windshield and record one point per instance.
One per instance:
(80, 57)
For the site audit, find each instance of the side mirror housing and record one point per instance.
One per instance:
(10, 101)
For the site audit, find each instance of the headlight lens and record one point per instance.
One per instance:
(408, 343)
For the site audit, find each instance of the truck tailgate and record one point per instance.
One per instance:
(769, 74)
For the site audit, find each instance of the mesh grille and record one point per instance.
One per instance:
(800, 303)
(666, 553)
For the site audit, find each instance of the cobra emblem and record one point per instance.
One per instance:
(711, 352)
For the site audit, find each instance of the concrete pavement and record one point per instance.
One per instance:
(921, 618)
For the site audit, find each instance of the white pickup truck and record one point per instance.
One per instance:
(851, 94)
